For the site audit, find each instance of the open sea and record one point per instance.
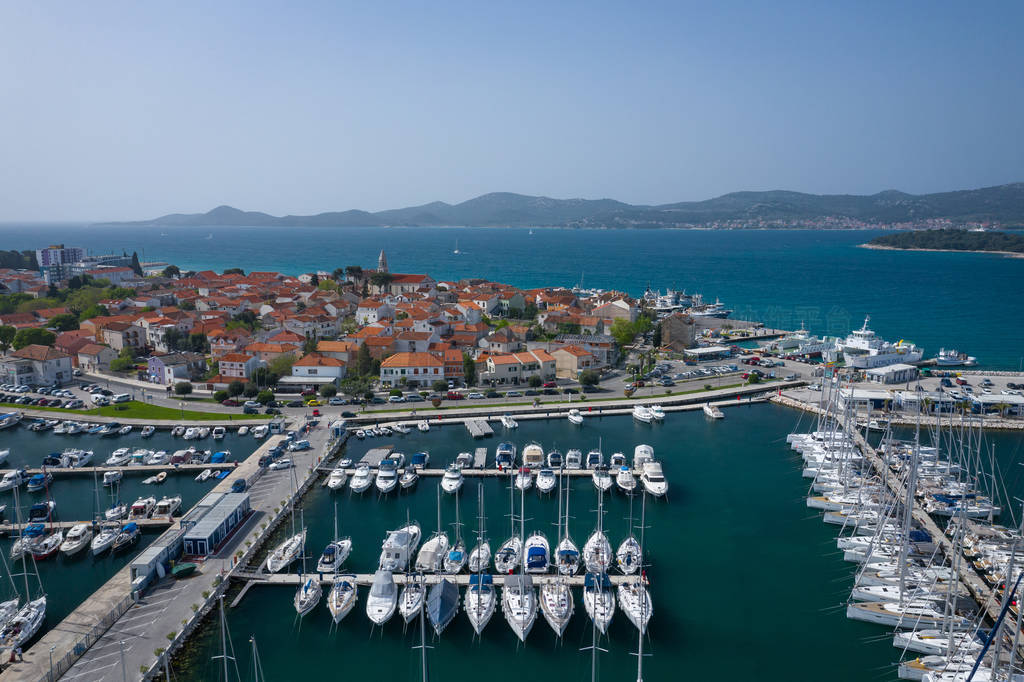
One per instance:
(966, 301)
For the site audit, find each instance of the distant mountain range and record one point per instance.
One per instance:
(1002, 204)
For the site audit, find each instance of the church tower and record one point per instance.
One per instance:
(382, 262)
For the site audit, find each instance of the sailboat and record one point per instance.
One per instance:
(456, 251)
(431, 556)
(336, 552)
(480, 557)
(455, 559)
(342, 597)
(556, 600)
(480, 595)
(627, 557)
(518, 598)
(288, 551)
(24, 625)
(412, 596)
(567, 554)
(597, 551)
(309, 592)
(508, 556)
(634, 598)
(442, 604)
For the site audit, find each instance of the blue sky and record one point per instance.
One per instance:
(130, 110)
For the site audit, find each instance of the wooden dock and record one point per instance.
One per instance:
(366, 579)
(479, 428)
(480, 458)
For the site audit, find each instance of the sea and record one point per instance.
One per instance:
(783, 278)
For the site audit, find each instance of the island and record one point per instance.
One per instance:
(1005, 243)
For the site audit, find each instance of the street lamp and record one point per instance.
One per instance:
(51, 661)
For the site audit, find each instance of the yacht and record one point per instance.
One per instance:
(480, 601)
(573, 459)
(219, 432)
(642, 414)
(23, 627)
(909, 614)
(537, 553)
(398, 548)
(74, 427)
(464, 460)
(597, 553)
(342, 597)
(625, 479)
(408, 478)
(166, 508)
(10, 419)
(337, 478)
(627, 558)
(616, 460)
(519, 604)
(507, 557)
(387, 477)
(451, 482)
(555, 459)
(575, 417)
(142, 508)
(953, 358)
(102, 541)
(128, 536)
(361, 479)
(601, 478)
(412, 596)
(635, 601)
(13, 479)
(712, 412)
(599, 600)
(420, 460)
(546, 480)
(556, 603)
(505, 456)
(431, 555)
(38, 482)
(307, 596)
(286, 553)
(533, 455)
(595, 458)
(862, 349)
(442, 604)
(112, 477)
(508, 422)
(75, 458)
(642, 454)
(383, 598)
(423, 425)
(117, 511)
(524, 479)
(653, 479)
(158, 458)
(119, 457)
(657, 413)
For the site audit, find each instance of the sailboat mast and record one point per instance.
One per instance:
(223, 638)
(639, 585)
(24, 561)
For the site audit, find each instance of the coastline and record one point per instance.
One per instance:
(881, 247)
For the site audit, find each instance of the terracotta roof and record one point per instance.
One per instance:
(336, 346)
(574, 350)
(412, 360)
(92, 349)
(235, 357)
(38, 353)
(317, 360)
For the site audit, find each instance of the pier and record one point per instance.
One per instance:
(366, 579)
(8, 528)
(479, 428)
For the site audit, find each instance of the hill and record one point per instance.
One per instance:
(1002, 204)
(951, 240)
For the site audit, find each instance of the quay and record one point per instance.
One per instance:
(171, 469)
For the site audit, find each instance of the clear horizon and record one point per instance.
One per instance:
(116, 111)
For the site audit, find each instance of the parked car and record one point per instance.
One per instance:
(246, 409)
(454, 395)
(336, 401)
(549, 384)
(414, 398)
(570, 390)
(475, 396)
(396, 399)
(531, 392)
(347, 414)
(314, 402)
(377, 400)
(294, 403)
(514, 394)
(492, 394)
(230, 402)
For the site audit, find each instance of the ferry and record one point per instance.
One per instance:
(862, 349)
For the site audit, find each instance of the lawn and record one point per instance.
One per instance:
(136, 410)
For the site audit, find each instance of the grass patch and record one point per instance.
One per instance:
(136, 410)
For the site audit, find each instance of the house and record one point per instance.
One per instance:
(237, 365)
(411, 369)
(509, 301)
(453, 364)
(342, 350)
(268, 352)
(69, 342)
(116, 275)
(678, 332)
(372, 310)
(92, 357)
(314, 370)
(405, 284)
(36, 365)
(516, 368)
(501, 341)
(619, 309)
(380, 346)
(892, 374)
(120, 335)
(571, 360)
(224, 341)
(173, 367)
(415, 342)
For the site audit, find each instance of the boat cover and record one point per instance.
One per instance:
(536, 557)
(442, 603)
(383, 585)
(593, 581)
(478, 580)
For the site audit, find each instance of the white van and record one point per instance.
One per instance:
(121, 398)
(99, 399)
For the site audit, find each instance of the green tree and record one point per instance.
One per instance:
(171, 271)
(282, 365)
(328, 390)
(250, 390)
(469, 369)
(623, 332)
(589, 377)
(381, 279)
(264, 377)
(315, 280)
(235, 388)
(353, 272)
(183, 388)
(535, 381)
(188, 304)
(234, 271)
(439, 386)
(27, 337)
(364, 362)
(221, 396)
(124, 361)
(338, 274)
(568, 328)
(309, 345)
(656, 339)
(64, 322)
(136, 265)
(95, 310)
(6, 336)
(265, 396)
(247, 319)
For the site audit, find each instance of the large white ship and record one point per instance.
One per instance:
(863, 350)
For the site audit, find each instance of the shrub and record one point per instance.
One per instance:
(329, 390)
(251, 390)
(220, 396)
(439, 385)
(183, 388)
(235, 388)
(264, 396)
(395, 391)
(535, 381)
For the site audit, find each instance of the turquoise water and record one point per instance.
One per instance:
(783, 277)
(68, 581)
(744, 577)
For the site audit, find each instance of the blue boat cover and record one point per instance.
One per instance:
(477, 580)
(592, 581)
(419, 458)
(455, 555)
(442, 603)
(919, 536)
(34, 529)
(217, 458)
(130, 527)
(568, 554)
(330, 550)
(536, 557)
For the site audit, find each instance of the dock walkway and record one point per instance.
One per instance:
(479, 428)
(366, 579)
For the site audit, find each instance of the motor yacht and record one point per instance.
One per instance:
(382, 600)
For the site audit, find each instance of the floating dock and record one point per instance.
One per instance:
(366, 579)
(479, 428)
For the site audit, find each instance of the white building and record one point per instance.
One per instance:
(898, 373)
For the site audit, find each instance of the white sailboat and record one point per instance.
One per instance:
(518, 597)
(431, 555)
(342, 597)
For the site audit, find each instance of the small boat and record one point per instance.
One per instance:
(625, 479)
(39, 481)
(595, 458)
(30, 535)
(657, 413)
(345, 463)
(399, 427)
(191, 433)
(627, 557)
(108, 430)
(4, 454)
(149, 481)
(533, 455)
(362, 479)
(219, 432)
(259, 432)
(117, 512)
(23, 627)
(148, 431)
(442, 604)
(455, 559)
(338, 478)
(430, 558)
(128, 536)
(546, 480)
(480, 601)
(102, 541)
(384, 430)
(78, 538)
(124, 430)
(524, 479)
(507, 557)
(383, 598)
(567, 555)
(360, 434)
(712, 412)
(166, 508)
(423, 425)
(307, 596)
(286, 553)
(13, 479)
(74, 427)
(41, 511)
(243, 430)
(642, 414)
(161, 477)
(505, 456)
(142, 508)
(119, 457)
(412, 597)
(653, 479)
(599, 600)
(464, 460)
(575, 417)
(158, 458)
(602, 478)
(183, 569)
(342, 597)
(555, 459)
(204, 474)
(508, 422)
(387, 477)
(179, 431)
(451, 482)
(574, 459)
(112, 477)
(408, 479)
(334, 555)
(480, 557)
(537, 553)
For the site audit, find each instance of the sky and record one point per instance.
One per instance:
(122, 111)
